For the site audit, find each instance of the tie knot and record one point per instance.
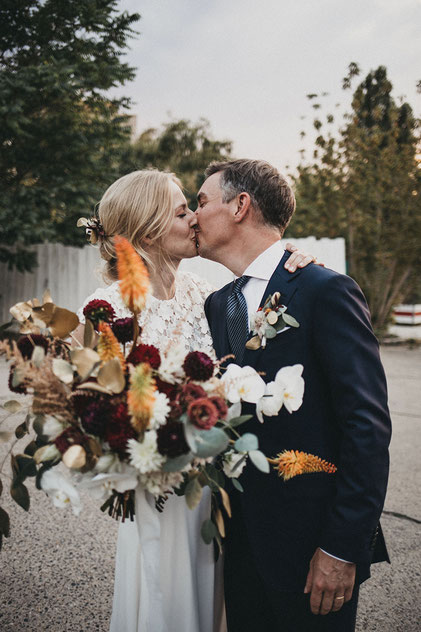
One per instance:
(239, 284)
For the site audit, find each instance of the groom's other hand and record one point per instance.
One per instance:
(328, 580)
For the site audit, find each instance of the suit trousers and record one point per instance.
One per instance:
(254, 606)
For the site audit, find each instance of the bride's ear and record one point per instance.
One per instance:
(147, 241)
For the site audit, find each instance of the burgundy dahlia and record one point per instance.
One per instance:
(170, 390)
(198, 366)
(220, 406)
(26, 344)
(171, 441)
(123, 329)
(119, 430)
(145, 353)
(98, 311)
(190, 392)
(94, 417)
(70, 436)
(203, 413)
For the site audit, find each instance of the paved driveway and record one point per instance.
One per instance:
(57, 570)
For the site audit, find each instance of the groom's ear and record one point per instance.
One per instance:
(243, 207)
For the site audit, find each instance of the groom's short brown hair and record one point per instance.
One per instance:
(270, 193)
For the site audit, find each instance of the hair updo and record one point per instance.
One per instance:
(138, 205)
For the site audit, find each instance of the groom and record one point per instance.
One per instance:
(297, 551)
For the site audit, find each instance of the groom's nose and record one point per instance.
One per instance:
(193, 221)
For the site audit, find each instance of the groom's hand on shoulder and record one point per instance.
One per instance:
(330, 582)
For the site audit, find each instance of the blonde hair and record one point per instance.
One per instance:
(138, 205)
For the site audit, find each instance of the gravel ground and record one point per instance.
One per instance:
(56, 570)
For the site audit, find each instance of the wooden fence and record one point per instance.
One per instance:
(71, 273)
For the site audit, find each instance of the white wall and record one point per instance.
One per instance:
(71, 274)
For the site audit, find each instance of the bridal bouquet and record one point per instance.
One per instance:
(117, 413)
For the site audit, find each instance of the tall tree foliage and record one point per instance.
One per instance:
(364, 184)
(60, 132)
(180, 146)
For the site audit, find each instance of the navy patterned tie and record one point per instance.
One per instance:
(237, 319)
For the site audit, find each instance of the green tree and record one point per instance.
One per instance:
(364, 184)
(60, 133)
(181, 146)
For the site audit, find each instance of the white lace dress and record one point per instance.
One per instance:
(165, 577)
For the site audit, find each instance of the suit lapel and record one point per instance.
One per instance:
(281, 281)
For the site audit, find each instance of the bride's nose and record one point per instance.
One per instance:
(193, 219)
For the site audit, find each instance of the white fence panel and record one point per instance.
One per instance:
(71, 274)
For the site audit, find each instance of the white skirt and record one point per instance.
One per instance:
(166, 579)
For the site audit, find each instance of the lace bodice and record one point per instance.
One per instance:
(179, 319)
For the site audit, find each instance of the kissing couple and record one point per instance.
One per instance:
(295, 552)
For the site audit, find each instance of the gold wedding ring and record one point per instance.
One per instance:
(343, 597)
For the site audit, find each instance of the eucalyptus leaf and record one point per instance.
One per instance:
(38, 425)
(23, 428)
(259, 460)
(220, 522)
(4, 523)
(63, 370)
(178, 463)
(270, 332)
(111, 376)
(237, 421)
(20, 495)
(26, 465)
(208, 531)
(226, 501)
(89, 334)
(31, 448)
(18, 375)
(205, 443)
(12, 406)
(237, 484)
(38, 356)
(290, 320)
(246, 443)
(193, 493)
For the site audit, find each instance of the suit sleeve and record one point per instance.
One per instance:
(349, 358)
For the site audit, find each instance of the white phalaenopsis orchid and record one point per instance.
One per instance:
(289, 379)
(286, 390)
(61, 491)
(243, 384)
(102, 485)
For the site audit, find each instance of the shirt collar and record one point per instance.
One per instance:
(266, 263)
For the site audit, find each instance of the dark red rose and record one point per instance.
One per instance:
(220, 406)
(190, 392)
(98, 311)
(123, 329)
(171, 441)
(170, 390)
(119, 430)
(70, 436)
(203, 413)
(145, 353)
(26, 344)
(198, 366)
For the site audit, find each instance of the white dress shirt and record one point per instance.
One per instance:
(260, 271)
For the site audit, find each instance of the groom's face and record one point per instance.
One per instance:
(213, 218)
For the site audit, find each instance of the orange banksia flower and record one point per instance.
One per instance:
(141, 396)
(133, 275)
(290, 463)
(108, 345)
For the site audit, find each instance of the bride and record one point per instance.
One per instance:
(165, 579)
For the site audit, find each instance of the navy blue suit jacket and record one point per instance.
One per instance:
(344, 419)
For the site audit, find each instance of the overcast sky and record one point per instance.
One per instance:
(247, 65)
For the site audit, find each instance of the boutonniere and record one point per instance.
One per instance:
(268, 321)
